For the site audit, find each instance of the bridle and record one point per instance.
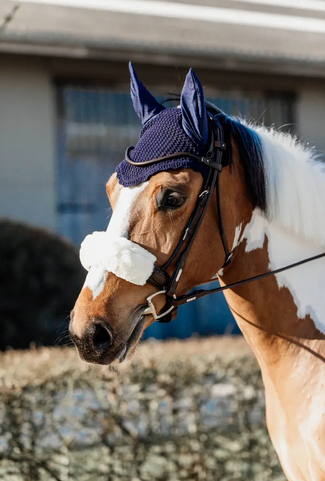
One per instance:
(160, 279)
(167, 284)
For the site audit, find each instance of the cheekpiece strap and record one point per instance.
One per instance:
(159, 278)
(213, 159)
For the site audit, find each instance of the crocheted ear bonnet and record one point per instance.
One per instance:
(166, 131)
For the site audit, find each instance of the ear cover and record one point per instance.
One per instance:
(144, 104)
(195, 121)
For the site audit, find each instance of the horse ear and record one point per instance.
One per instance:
(144, 104)
(195, 121)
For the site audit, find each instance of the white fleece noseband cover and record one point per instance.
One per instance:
(122, 257)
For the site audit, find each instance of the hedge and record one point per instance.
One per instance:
(178, 411)
(40, 278)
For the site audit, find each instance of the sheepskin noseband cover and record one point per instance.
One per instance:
(118, 255)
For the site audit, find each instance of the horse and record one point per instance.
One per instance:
(204, 194)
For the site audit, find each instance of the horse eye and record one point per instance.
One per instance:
(170, 200)
(174, 200)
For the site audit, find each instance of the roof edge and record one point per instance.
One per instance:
(216, 60)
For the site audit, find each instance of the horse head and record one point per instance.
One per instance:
(153, 206)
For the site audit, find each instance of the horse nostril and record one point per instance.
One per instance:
(102, 338)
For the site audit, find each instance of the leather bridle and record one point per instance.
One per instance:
(160, 279)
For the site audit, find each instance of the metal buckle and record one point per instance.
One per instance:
(152, 310)
(205, 192)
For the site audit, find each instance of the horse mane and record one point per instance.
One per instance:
(250, 152)
(284, 177)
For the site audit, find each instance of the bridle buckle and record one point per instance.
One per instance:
(151, 307)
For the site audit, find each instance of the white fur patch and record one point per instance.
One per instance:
(294, 223)
(304, 282)
(237, 236)
(111, 251)
(118, 255)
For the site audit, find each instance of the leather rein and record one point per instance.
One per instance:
(160, 279)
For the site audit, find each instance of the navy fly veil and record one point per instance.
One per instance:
(166, 131)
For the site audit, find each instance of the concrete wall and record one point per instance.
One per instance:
(27, 142)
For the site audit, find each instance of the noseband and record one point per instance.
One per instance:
(160, 279)
(165, 283)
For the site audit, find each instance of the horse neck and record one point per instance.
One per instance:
(282, 315)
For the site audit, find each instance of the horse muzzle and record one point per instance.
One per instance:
(99, 344)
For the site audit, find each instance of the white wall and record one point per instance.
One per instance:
(27, 142)
(311, 116)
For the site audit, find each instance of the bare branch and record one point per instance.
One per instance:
(8, 18)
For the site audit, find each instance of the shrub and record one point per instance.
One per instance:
(182, 411)
(40, 278)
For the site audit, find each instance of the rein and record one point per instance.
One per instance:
(160, 279)
(205, 292)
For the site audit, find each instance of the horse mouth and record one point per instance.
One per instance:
(130, 345)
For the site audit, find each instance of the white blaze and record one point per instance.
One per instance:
(111, 251)
(95, 280)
